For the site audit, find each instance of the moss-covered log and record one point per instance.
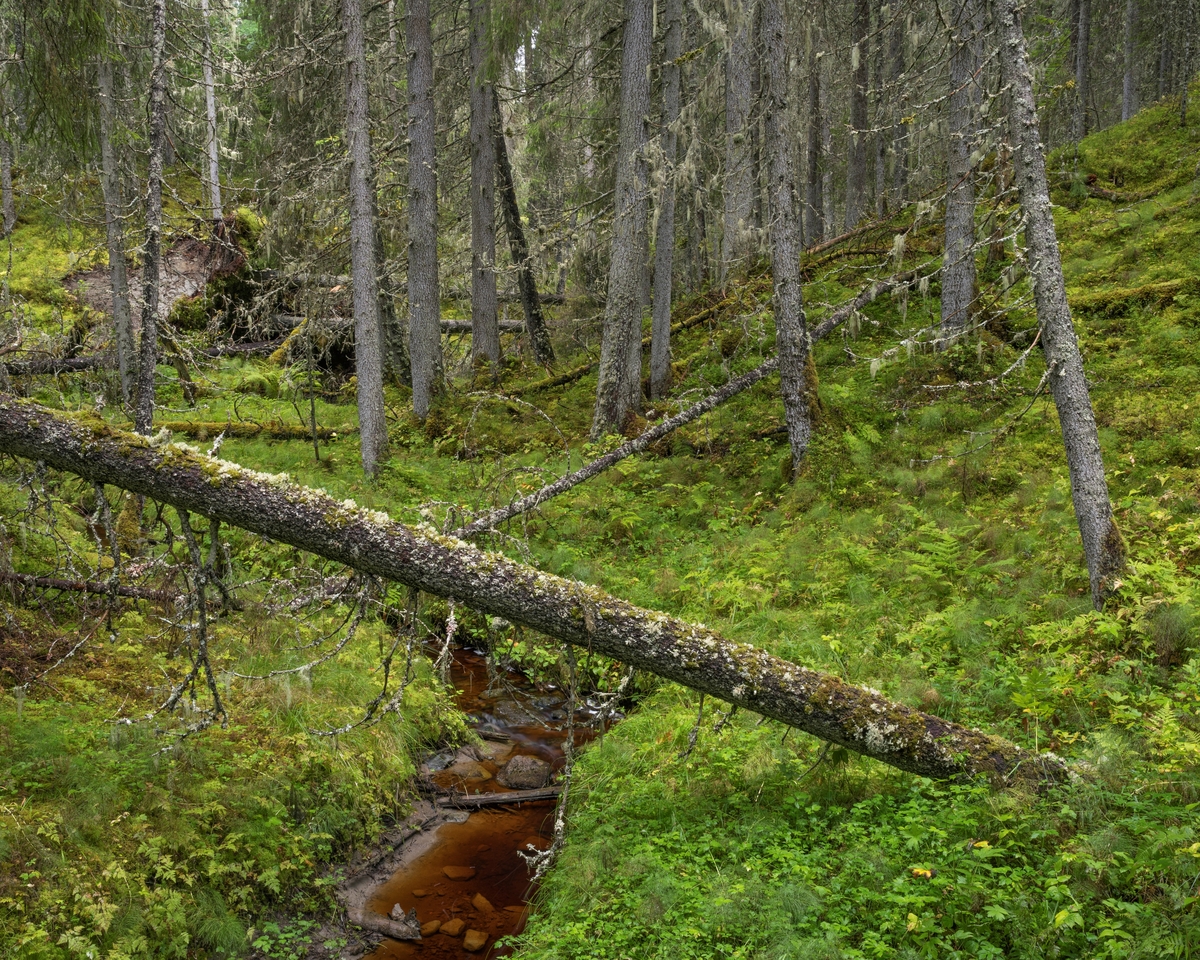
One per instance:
(273, 506)
(270, 429)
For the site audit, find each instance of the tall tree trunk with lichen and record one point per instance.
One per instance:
(1129, 83)
(619, 389)
(114, 229)
(814, 208)
(424, 324)
(143, 416)
(210, 104)
(1103, 545)
(664, 249)
(856, 180)
(737, 184)
(857, 718)
(485, 322)
(791, 333)
(958, 260)
(368, 350)
(1082, 63)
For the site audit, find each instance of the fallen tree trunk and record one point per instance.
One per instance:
(271, 429)
(671, 424)
(57, 365)
(473, 801)
(371, 542)
(98, 587)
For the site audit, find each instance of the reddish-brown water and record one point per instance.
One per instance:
(491, 899)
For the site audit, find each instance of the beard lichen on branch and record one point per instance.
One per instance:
(370, 541)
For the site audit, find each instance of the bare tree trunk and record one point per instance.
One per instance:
(739, 171)
(485, 322)
(791, 334)
(958, 261)
(664, 249)
(1129, 86)
(857, 718)
(899, 128)
(1081, 68)
(210, 103)
(1102, 543)
(535, 323)
(143, 416)
(368, 348)
(856, 180)
(617, 392)
(424, 325)
(1185, 61)
(827, 197)
(114, 209)
(7, 201)
(880, 137)
(814, 209)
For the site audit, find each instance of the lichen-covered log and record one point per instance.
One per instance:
(272, 505)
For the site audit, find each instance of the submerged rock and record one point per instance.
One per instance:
(482, 904)
(430, 928)
(525, 773)
(453, 928)
(474, 940)
(459, 873)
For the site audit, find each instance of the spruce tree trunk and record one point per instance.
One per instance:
(143, 416)
(535, 323)
(857, 718)
(958, 261)
(739, 172)
(1129, 87)
(1103, 546)
(880, 137)
(8, 203)
(1082, 49)
(899, 127)
(791, 334)
(814, 209)
(368, 348)
(210, 103)
(485, 321)
(114, 227)
(618, 393)
(424, 324)
(664, 249)
(856, 179)
(1185, 61)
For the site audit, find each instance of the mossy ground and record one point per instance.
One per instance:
(909, 554)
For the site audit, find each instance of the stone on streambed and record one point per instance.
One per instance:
(525, 773)
(482, 904)
(430, 928)
(453, 927)
(459, 873)
(474, 941)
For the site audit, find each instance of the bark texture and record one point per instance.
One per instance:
(368, 345)
(535, 322)
(814, 209)
(424, 333)
(210, 104)
(856, 178)
(664, 244)
(114, 228)
(739, 162)
(791, 334)
(1103, 545)
(143, 416)
(1082, 49)
(821, 704)
(485, 329)
(958, 261)
(619, 389)
(1128, 86)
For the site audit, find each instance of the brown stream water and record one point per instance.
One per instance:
(517, 718)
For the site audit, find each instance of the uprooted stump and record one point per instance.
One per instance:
(855, 717)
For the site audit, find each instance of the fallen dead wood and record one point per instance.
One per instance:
(473, 801)
(270, 429)
(89, 586)
(56, 365)
(273, 506)
(464, 326)
(671, 424)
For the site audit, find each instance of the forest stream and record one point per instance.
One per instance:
(466, 874)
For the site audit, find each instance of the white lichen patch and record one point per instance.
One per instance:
(877, 736)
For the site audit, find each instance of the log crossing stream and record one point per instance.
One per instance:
(465, 875)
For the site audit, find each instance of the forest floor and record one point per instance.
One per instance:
(928, 548)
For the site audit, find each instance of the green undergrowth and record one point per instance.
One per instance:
(927, 548)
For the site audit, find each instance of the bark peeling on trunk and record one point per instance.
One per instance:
(370, 541)
(1102, 543)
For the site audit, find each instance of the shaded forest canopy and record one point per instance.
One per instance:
(745, 372)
